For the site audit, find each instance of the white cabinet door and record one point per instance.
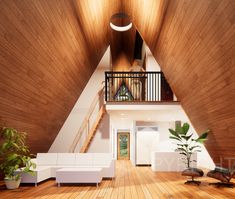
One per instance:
(146, 142)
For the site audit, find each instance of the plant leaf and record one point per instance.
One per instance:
(186, 137)
(202, 138)
(193, 147)
(179, 129)
(182, 149)
(185, 128)
(180, 145)
(174, 133)
(175, 138)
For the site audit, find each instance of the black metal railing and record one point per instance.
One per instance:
(137, 86)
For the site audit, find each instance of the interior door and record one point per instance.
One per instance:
(123, 146)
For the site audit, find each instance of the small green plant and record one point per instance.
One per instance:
(186, 145)
(14, 154)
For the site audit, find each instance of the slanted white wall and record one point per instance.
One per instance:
(203, 159)
(151, 63)
(72, 124)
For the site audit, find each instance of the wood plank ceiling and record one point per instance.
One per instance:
(48, 51)
(196, 51)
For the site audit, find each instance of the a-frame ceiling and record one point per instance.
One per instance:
(49, 49)
(196, 51)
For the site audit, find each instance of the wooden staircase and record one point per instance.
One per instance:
(88, 128)
(93, 130)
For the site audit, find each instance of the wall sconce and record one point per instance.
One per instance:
(120, 22)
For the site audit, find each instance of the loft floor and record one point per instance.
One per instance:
(130, 183)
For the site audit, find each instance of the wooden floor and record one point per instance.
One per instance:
(131, 182)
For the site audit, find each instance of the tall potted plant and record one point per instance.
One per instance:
(187, 145)
(14, 156)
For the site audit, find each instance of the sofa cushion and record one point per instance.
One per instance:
(41, 168)
(66, 159)
(46, 159)
(83, 159)
(102, 159)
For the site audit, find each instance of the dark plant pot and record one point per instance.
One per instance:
(12, 184)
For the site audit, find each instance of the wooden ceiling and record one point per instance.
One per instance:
(196, 51)
(49, 49)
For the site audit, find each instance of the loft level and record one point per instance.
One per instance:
(137, 87)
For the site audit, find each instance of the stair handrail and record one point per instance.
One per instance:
(85, 123)
(92, 131)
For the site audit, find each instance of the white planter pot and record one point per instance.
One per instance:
(12, 184)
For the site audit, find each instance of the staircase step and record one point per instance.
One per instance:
(93, 130)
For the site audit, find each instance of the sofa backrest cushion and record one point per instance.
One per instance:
(46, 158)
(102, 159)
(66, 158)
(83, 159)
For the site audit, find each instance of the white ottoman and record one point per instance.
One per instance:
(79, 175)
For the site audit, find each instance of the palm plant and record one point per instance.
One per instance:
(14, 154)
(186, 145)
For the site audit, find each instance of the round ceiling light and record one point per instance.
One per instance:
(120, 22)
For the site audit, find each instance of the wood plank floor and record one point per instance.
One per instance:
(130, 183)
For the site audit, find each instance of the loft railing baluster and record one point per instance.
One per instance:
(155, 75)
(153, 87)
(158, 86)
(151, 93)
(106, 88)
(142, 86)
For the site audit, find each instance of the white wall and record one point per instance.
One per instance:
(133, 143)
(151, 63)
(72, 124)
(165, 144)
(163, 119)
(203, 158)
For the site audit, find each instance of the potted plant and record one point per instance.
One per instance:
(14, 157)
(187, 145)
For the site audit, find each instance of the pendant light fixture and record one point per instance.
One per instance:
(120, 22)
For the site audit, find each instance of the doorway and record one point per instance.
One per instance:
(123, 146)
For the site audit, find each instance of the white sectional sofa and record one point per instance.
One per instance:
(49, 163)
